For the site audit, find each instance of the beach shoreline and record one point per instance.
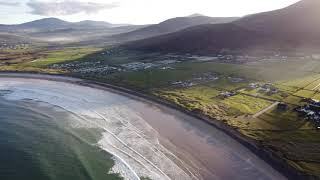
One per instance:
(252, 146)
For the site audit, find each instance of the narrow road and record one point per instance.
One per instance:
(266, 109)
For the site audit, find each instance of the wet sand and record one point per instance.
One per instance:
(211, 152)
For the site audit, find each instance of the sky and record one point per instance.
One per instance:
(130, 11)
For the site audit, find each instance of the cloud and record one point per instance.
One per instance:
(9, 3)
(67, 7)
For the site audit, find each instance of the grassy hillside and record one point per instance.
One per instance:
(292, 29)
(172, 25)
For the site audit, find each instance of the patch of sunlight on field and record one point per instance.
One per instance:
(246, 104)
(314, 85)
(305, 93)
(317, 96)
(15, 68)
(199, 92)
(58, 56)
(302, 81)
(293, 100)
(288, 89)
(199, 98)
(224, 83)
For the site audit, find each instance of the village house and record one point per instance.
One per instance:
(253, 85)
(227, 94)
(268, 88)
(311, 112)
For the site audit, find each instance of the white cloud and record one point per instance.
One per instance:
(67, 7)
(9, 3)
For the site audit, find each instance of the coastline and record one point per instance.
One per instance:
(265, 155)
(124, 133)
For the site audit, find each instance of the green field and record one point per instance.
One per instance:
(59, 56)
(38, 60)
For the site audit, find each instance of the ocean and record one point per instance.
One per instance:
(37, 142)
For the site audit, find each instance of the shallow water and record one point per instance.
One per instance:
(131, 130)
(37, 143)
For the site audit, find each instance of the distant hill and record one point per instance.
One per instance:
(99, 24)
(288, 29)
(50, 24)
(89, 35)
(173, 25)
(47, 23)
(57, 30)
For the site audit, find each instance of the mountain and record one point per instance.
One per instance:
(47, 23)
(173, 25)
(288, 29)
(85, 34)
(51, 24)
(56, 30)
(205, 39)
(195, 15)
(300, 20)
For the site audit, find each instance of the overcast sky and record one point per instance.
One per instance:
(129, 11)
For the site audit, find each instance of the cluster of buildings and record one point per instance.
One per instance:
(253, 85)
(236, 79)
(218, 57)
(184, 84)
(87, 67)
(237, 58)
(4, 45)
(267, 88)
(76, 65)
(311, 111)
(103, 70)
(136, 66)
(243, 58)
(204, 78)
